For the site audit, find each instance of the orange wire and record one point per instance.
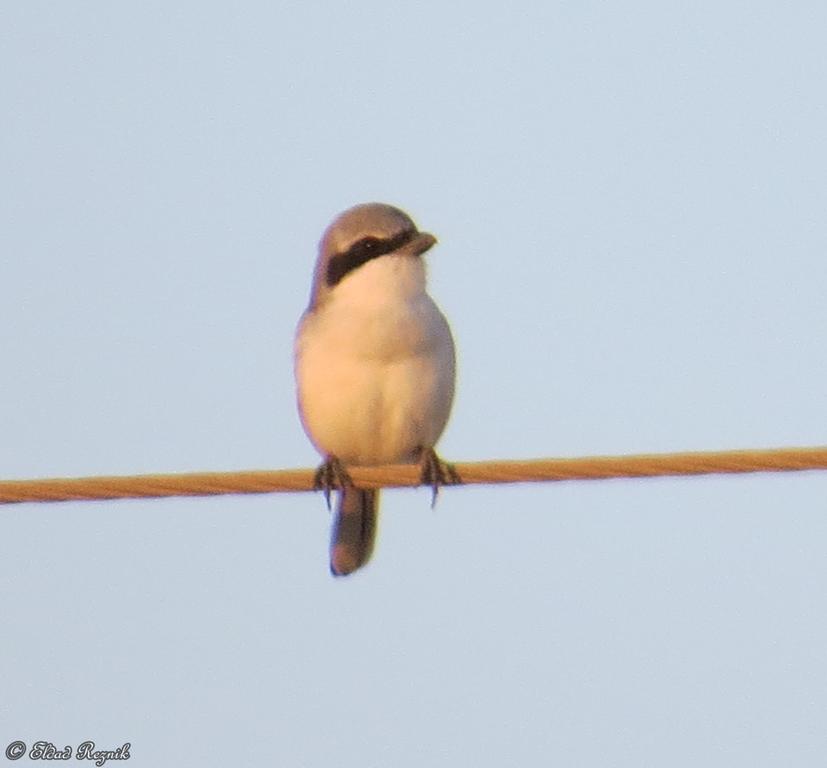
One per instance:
(483, 472)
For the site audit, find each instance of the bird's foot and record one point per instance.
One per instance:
(330, 474)
(436, 472)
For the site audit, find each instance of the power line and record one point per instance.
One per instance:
(471, 473)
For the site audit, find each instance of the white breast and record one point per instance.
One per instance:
(375, 366)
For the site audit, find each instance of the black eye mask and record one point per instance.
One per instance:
(363, 251)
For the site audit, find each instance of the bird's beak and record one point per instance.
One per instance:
(421, 243)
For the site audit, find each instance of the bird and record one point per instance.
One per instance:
(374, 363)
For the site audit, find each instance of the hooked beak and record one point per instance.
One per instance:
(419, 244)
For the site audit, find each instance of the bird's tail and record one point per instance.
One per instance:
(354, 530)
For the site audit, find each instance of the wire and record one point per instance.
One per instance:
(483, 472)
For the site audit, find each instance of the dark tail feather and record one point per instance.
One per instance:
(354, 530)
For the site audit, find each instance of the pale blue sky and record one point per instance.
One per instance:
(630, 200)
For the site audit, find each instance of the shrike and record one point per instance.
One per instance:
(374, 364)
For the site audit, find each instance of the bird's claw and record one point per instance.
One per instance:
(436, 472)
(330, 474)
